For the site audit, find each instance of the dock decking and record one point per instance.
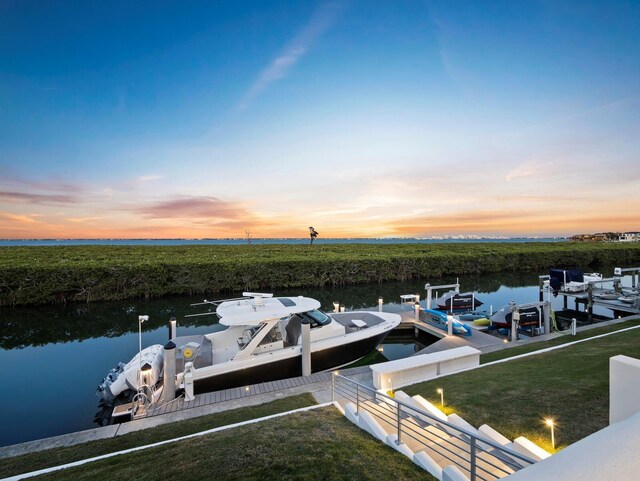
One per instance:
(207, 399)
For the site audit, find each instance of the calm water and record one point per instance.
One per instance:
(52, 358)
(172, 242)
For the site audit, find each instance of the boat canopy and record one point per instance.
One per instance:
(249, 312)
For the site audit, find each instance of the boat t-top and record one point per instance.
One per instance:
(262, 342)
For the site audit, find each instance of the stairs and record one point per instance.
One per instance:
(448, 447)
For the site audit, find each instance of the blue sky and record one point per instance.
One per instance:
(207, 119)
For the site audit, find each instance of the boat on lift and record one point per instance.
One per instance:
(262, 342)
(529, 316)
(458, 301)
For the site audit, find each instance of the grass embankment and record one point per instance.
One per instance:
(570, 385)
(36, 275)
(315, 445)
(57, 456)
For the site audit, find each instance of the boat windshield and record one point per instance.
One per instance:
(318, 318)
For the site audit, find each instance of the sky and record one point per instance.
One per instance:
(360, 118)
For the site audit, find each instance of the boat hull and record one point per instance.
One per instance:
(323, 360)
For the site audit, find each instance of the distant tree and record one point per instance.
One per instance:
(248, 236)
(313, 234)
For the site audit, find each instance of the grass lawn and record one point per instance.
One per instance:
(536, 346)
(57, 456)
(570, 385)
(315, 445)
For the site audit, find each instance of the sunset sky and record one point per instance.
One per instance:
(360, 118)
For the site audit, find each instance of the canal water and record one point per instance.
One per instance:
(53, 357)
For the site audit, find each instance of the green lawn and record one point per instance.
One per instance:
(570, 385)
(57, 456)
(536, 346)
(314, 445)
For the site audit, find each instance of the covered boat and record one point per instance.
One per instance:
(529, 316)
(458, 301)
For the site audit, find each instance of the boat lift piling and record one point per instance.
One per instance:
(544, 324)
(380, 302)
(429, 288)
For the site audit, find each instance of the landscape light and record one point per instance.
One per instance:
(441, 392)
(549, 422)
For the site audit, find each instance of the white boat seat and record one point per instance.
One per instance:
(359, 323)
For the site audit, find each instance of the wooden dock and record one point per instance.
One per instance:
(208, 399)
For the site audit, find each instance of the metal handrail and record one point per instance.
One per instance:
(478, 447)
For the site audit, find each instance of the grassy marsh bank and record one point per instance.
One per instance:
(38, 275)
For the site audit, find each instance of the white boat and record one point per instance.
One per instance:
(262, 342)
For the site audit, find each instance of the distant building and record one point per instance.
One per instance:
(629, 237)
(607, 237)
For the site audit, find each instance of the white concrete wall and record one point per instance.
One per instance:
(611, 454)
(624, 387)
(414, 369)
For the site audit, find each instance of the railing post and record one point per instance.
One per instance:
(399, 423)
(333, 387)
(357, 399)
(472, 462)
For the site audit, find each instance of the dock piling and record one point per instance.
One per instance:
(173, 324)
(169, 372)
(306, 348)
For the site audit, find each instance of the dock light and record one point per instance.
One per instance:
(441, 392)
(380, 349)
(551, 423)
(246, 388)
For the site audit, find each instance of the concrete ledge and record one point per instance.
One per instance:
(392, 442)
(425, 461)
(452, 473)
(523, 446)
(414, 369)
(367, 422)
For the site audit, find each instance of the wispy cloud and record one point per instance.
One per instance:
(321, 20)
(195, 207)
(149, 178)
(20, 219)
(27, 198)
(528, 169)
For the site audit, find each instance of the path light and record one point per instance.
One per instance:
(441, 392)
(549, 422)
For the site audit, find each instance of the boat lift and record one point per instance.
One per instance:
(515, 319)
(430, 288)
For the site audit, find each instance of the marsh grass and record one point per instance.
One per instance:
(58, 274)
